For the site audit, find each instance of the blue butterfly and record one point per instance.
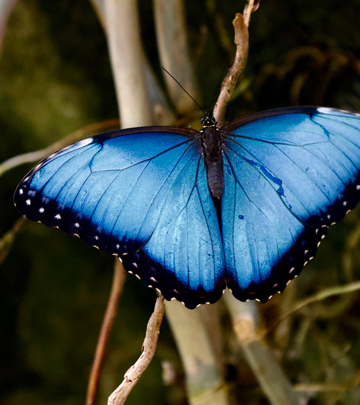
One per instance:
(192, 212)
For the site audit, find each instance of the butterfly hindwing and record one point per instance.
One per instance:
(289, 174)
(185, 251)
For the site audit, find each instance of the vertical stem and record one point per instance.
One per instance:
(174, 53)
(205, 384)
(271, 377)
(231, 79)
(126, 54)
(161, 111)
(6, 7)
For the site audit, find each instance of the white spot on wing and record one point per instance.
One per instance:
(84, 142)
(324, 110)
(28, 202)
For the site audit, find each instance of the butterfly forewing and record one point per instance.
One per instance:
(132, 190)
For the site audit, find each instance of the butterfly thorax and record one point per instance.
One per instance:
(211, 141)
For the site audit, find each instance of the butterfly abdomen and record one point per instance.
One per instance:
(212, 147)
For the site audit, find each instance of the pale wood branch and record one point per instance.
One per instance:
(127, 62)
(75, 136)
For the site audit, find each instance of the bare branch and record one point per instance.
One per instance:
(240, 23)
(171, 34)
(134, 373)
(40, 154)
(161, 111)
(319, 296)
(271, 377)
(229, 83)
(252, 6)
(196, 337)
(7, 240)
(6, 7)
(108, 322)
(127, 62)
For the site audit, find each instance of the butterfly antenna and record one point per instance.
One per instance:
(192, 98)
(220, 80)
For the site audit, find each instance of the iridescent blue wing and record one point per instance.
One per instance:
(135, 189)
(289, 174)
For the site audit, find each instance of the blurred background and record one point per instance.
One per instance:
(55, 78)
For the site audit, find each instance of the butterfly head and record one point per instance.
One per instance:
(208, 121)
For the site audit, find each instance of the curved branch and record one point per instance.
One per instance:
(241, 24)
(75, 136)
(229, 83)
(108, 322)
(132, 376)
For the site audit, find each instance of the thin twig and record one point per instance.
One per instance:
(134, 373)
(39, 154)
(321, 295)
(241, 23)
(8, 239)
(252, 6)
(108, 322)
(316, 388)
(229, 83)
